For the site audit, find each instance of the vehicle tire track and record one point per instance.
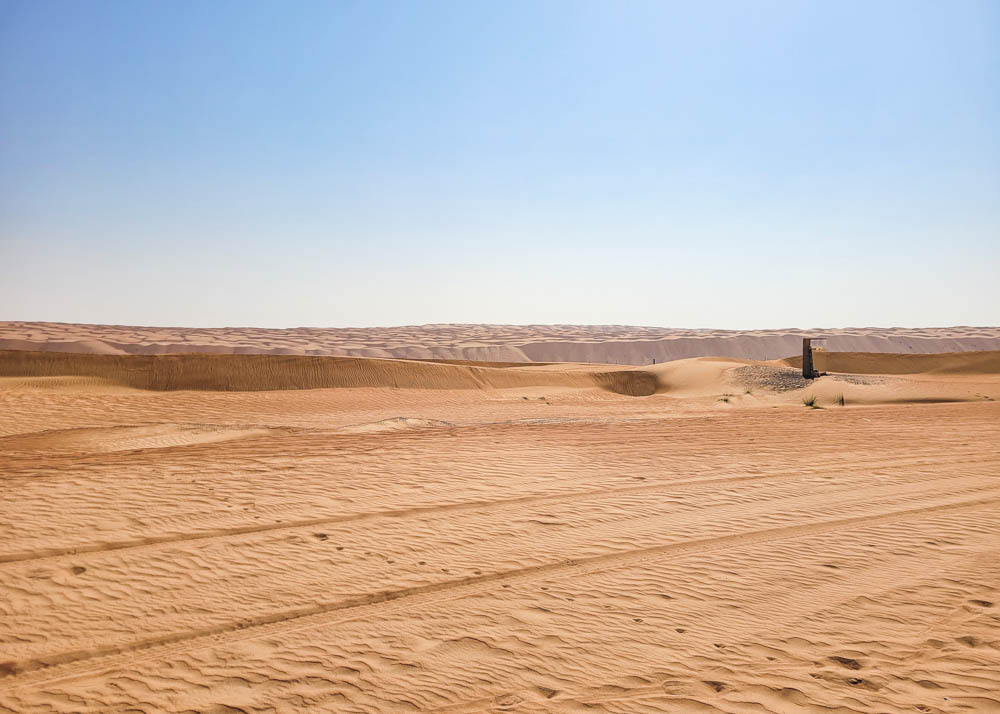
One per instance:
(59, 666)
(680, 485)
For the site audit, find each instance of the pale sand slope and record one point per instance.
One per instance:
(536, 546)
(861, 377)
(506, 343)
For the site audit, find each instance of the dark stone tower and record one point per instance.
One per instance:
(808, 370)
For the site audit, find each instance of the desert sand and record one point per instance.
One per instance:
(260, 533)
(605, 344)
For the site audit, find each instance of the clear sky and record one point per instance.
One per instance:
(354, 163)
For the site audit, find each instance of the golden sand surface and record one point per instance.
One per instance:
(300, 534)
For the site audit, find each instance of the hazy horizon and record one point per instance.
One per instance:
(690, 165)
(678, 328)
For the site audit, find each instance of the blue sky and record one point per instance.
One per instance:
(687, 164)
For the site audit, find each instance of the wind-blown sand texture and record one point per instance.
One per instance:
(497, 343)
(245, 533)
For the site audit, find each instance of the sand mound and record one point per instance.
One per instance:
(698, 376)
(250, 373)
(960, 363)
(946, 377)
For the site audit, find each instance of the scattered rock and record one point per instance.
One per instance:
(778, 379)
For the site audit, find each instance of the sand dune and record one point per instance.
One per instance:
(606, 344)
(244, 533)
(941, 377)
(273, 372)
(970, 363)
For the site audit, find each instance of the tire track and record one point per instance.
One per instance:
(680, 485)
(58, 666)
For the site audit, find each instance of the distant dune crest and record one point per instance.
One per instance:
(605, 344)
